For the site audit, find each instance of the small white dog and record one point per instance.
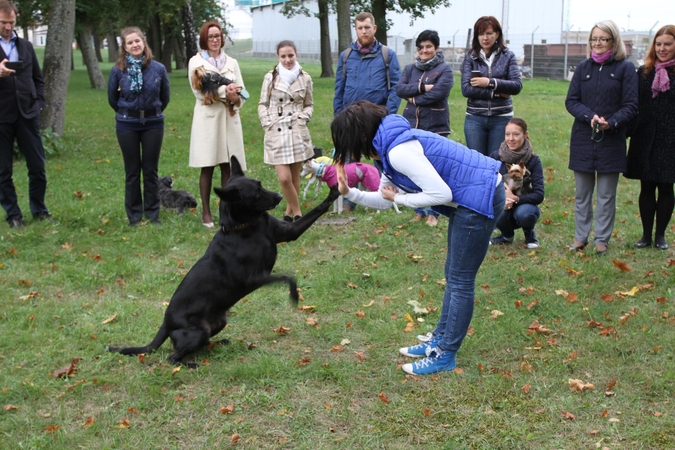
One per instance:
(356, 173)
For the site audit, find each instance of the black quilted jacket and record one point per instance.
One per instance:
(610, 91)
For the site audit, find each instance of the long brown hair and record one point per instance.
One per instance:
(480, 26)
(122, 55)
(651, 59)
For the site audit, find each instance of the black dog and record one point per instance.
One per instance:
(238, 261)
(174, 199)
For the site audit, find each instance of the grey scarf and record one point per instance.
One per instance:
(433, 62)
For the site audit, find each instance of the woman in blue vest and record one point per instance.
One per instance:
(420, 169)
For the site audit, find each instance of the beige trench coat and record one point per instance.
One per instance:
(284, 113)
(216, 135)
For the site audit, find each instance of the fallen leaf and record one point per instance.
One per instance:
(10, 407)
(526, 389)
(458, 370)
(282, 330)
(360, 356)
(229, 409)
(352, 285)
(89, 422)
(307, 307)
(369, 304)
(124, 423)
(175, 370)
(579, 386)
(536, 328)
(426, 412)
(52, 428)
(110, 319)
(568, 415)
(495, 313)
(337, 348)
(383, 397)
(622, 266)
(311, 321)
(360, 314)
(417, 308)
(611, 385)
(614, 420)
(235, 438)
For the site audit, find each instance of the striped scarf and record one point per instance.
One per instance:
(661, 81)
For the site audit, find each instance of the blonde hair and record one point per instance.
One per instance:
(609, 27)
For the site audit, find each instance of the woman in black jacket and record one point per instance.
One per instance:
(521, 210)
(490, 76)
(138, 91)
(602, 98)
(651, 156)
(425, 85)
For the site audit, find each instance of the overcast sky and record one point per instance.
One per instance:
(639, 15)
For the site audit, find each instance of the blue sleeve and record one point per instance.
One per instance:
(469, 91)
(113, 88)
(405, 88)
(394, 75)
(629, 99)
(513, 83)
(573, 101)
(165, 90)
(339, 86)
(441, 89)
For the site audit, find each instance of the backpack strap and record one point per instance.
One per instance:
(385, 57)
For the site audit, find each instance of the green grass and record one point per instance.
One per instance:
(61, 281)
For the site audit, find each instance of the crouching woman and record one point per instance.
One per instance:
(422, 169)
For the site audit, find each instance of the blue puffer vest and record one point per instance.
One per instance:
(472, 177)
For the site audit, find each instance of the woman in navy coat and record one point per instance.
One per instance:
(602, 98)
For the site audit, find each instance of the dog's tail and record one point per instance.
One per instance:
(162, 335)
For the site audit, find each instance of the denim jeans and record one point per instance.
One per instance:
(425, 212)
(484, 133)
(523, 216)
(468, 240)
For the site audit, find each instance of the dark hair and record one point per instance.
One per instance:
(8, 7)
(428, 35)
(122, 55)
(651, 59)
(519, 122)
(480, 26)
(360, 17)
(354, 129)
(204, 34)
(286, 43)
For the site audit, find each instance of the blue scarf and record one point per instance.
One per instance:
(135, 72)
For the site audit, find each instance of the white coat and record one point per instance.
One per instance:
(216, 135)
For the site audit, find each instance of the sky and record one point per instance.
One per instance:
(638, 15)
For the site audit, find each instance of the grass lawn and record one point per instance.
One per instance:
(333, 380)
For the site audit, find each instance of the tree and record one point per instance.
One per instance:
(344, 22)
(189, 32)
(56, 65)
(85, 42)
(295, 7)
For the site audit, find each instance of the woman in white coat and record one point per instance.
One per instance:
(216, 127)
(286, 106)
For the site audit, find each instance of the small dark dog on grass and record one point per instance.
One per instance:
(238, 261)
(170, 198)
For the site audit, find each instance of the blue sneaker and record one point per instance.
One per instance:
(419, 350)
(437, 360)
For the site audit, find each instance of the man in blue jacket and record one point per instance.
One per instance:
(21, 99)
(370, 70)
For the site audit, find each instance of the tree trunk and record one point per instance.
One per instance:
(191, 47)
(380, 13)
(154, 36)
(113, 48)
(97, 47)
(84, 41)
(344, 24)
(179, 53)
(167, 50)
(326, 57)
(56, 65)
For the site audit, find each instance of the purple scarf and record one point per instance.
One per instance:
(661, 81)
(601, 58)
(365, 50)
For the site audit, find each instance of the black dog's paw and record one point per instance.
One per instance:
(333, 194)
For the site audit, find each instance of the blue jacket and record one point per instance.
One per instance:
(610, 91)
(472, 177)
(153, 97)
(503, 73)
(366, 79)
(429, 110)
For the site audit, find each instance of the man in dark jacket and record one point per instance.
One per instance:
(21, 99)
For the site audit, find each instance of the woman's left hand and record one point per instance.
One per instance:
(389, 193)
(480, 82)
(232, 93)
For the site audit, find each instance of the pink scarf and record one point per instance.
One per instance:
(661, 81)
(601, 58)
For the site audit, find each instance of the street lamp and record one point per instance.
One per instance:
(532, 53)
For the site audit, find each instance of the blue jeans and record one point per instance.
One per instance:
(523, 216)
(484, 133)
(424, 212)
(468, 240)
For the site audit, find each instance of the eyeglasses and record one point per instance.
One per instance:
(603, 40)
(213, 37)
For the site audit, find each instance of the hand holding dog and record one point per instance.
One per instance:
(232, 93)
(389, 193)
(511, 198)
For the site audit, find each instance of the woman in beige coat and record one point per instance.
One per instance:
(286, 106)
(216, 127)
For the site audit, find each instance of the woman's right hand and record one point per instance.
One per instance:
(343, 184)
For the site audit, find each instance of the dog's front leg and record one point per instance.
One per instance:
(287, 232)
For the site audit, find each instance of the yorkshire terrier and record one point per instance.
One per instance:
(174, 199)
(208, 83)
(515, 176)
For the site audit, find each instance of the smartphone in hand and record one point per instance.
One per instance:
(475, 74)
(14, 65)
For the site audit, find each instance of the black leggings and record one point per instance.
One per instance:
(650, 206)
(140, 150)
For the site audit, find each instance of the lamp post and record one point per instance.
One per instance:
(532, 53)
(567, 38)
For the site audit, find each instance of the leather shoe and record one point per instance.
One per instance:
(644, 243)
(578, 246)
(16, 222)
(660, 243)
(601, 249)
(44, 216)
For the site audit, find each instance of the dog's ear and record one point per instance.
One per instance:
(235, 167)
(508, 166)
(229, 194)
(522, 165)
(197, 79)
